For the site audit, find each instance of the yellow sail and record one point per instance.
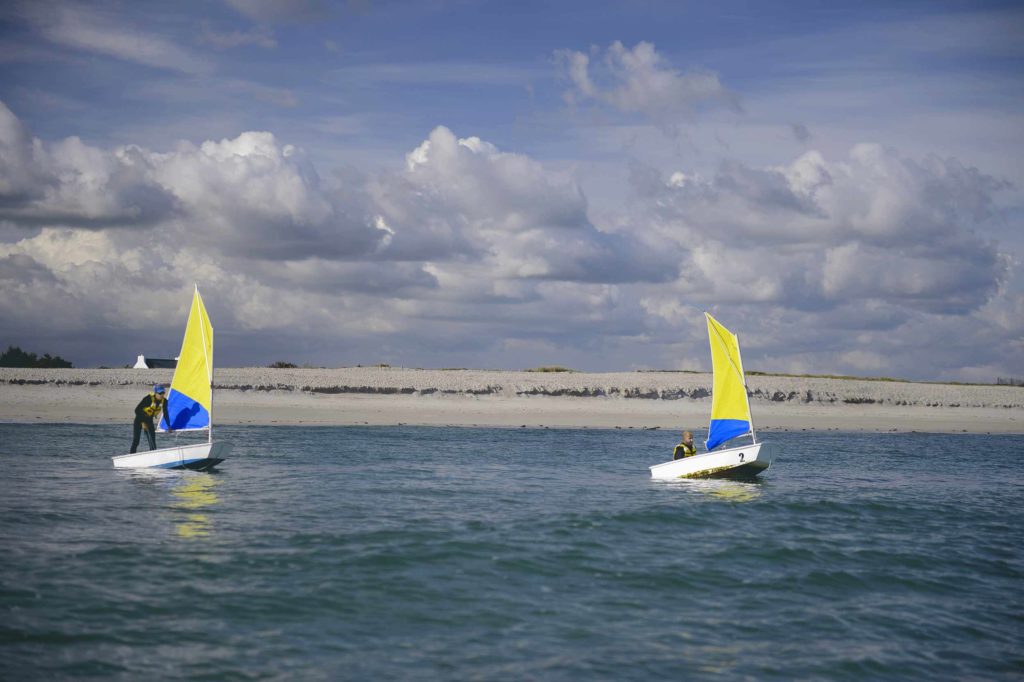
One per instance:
(730, 410)
(190, 400)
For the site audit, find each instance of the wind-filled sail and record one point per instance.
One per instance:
(190, 399)
(730, 411)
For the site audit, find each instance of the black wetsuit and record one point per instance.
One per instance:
(142, 418)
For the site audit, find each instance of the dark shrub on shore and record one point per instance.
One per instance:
(16, 357)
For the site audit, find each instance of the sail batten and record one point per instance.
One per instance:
(189, 401)
(730, 409)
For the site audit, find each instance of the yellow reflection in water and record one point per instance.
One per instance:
(195, 494)
(732, 491)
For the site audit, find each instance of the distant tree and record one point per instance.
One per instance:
(282, 365)
(16, 357)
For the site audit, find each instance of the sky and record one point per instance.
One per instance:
(463, 183)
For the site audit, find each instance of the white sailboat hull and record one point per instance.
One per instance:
(740, 462)
(198, 456)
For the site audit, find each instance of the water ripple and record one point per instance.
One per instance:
(341, 553)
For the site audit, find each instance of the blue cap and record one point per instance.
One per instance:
(158, 389)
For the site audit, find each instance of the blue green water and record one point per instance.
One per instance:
(456, 553)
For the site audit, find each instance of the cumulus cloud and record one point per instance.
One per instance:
(256, 198)
(379, 278)
(871, 263)
(522, 219)
(940, 282)
(465, 236)
(247, 197)
(457, 201)
(817, 233)
(22, 172)
(639, 80)
(824, 264)
(71, 183)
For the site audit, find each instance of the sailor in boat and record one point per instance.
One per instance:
(150, 406)
(686, 448)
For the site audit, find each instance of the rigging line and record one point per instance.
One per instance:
(206, 358)
(202, 332)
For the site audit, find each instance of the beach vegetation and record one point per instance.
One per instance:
(672, 371)
(822, 376)
(844, 377)
(16, 357)
(280, 364)
(550, 368)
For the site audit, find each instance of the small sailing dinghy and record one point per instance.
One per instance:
(730, 418)
(189, 403)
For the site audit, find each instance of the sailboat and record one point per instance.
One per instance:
(189, 403)
(730, 418)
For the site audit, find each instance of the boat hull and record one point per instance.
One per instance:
(199, 456)
(741, 462)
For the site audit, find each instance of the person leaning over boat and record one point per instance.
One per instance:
(686, 448)
(149, 407)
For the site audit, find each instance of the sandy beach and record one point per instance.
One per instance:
(382, 396)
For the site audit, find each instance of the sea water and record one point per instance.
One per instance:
(510, 554)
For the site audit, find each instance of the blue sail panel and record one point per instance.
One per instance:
(722, 430)
(185, 413)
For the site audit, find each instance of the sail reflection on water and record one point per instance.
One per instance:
(721, 488)
(194, 496)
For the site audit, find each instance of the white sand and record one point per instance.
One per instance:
(488, 398)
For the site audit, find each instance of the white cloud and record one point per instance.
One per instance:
(435, 73)
(868, 263)
(463, 228)
(247, 197)
(102, 31)
(864, 361)
(272, 11)
(22, 167)
(257, 199)
(282, 97)
(817, 233)
(522, 219)
(340, 126)
(260, 37)
(71, 183)
(639, 80)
